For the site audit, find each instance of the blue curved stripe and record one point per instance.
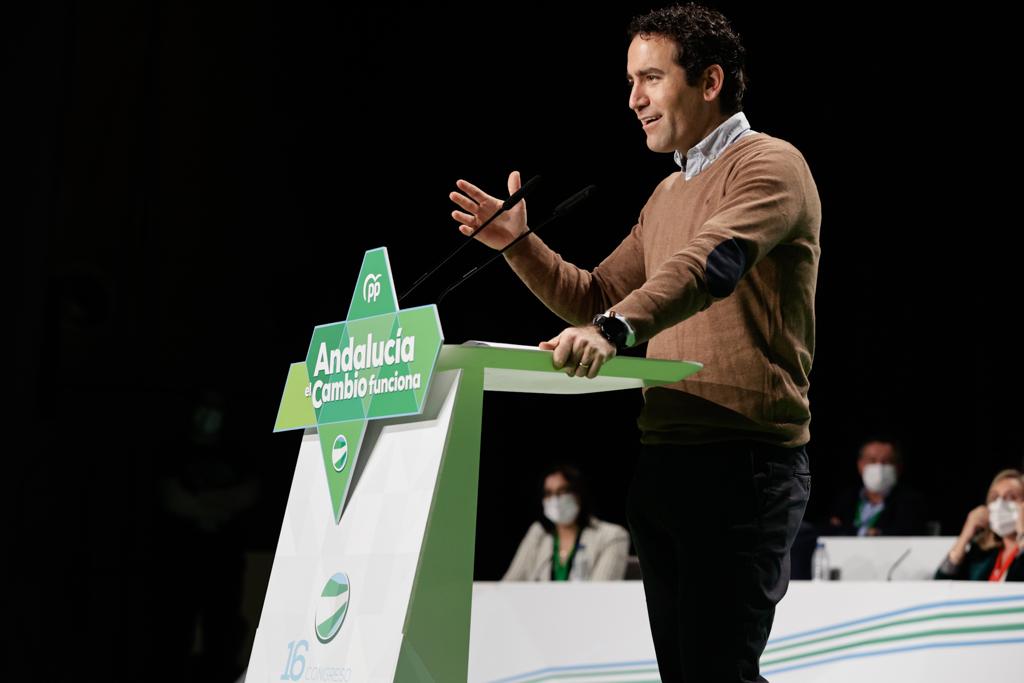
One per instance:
(894, 650)
(886, 615)
(883, 615)
(575, 668)
(771, 672)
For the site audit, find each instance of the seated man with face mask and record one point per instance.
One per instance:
(990, 546)
(568, 543)
(882, 506)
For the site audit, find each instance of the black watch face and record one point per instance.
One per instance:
(614, 329)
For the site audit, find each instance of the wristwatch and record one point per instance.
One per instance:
(615, 329)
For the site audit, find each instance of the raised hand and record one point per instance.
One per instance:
(478, 206)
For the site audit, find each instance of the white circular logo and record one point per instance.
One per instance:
(339, 453)
(371, 288)
(332, 607)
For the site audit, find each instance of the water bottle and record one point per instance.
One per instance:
(819, 563)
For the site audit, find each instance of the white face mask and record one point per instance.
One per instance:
(1002, 517)
(561, 509)
(879, 478)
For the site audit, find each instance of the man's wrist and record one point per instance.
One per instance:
(519, 247)
(630, 332)
(615, 329)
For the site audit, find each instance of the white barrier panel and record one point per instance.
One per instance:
(361, 570)
(906, 558)
(824, 631)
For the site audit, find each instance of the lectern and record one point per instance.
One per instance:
(372, 577)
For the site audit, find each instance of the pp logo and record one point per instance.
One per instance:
(339, 453)
(332, 607)
(371, 288)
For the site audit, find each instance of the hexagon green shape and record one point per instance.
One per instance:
(376, 364)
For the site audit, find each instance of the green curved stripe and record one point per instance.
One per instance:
(902, 636)
(897, 622)
(325, 628)
(334, 589)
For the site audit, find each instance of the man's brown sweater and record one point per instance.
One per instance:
(719, 269)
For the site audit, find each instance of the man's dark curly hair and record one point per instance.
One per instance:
(703, 37)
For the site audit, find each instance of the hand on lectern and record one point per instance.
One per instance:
(479, 206)
(580, 350)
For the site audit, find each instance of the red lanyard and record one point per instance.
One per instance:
(999, 570)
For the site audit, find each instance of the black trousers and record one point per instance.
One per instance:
(712, 525)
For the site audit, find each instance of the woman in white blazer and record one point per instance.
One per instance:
(568, 543)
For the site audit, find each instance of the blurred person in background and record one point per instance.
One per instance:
(881, 505)
(567, 542)
(989, 547)
(205, 491)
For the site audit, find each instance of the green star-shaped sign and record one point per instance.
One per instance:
(375, 364)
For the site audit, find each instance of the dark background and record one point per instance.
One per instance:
(193, 185)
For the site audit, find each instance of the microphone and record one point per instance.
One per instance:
(561, 210)
(516, 197)
(888, 577)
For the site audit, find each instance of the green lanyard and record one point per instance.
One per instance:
(559, 571)
(870, 523)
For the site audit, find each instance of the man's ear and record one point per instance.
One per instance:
(712, 81)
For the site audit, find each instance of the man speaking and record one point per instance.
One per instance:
(720, 268)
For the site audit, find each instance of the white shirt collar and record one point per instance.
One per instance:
(710, 148)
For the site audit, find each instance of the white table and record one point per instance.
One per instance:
(834, 631)
(874, 559)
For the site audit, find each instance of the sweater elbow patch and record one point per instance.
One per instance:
(726, 265)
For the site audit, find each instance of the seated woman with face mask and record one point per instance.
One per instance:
(990, 546)
(568, 543)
